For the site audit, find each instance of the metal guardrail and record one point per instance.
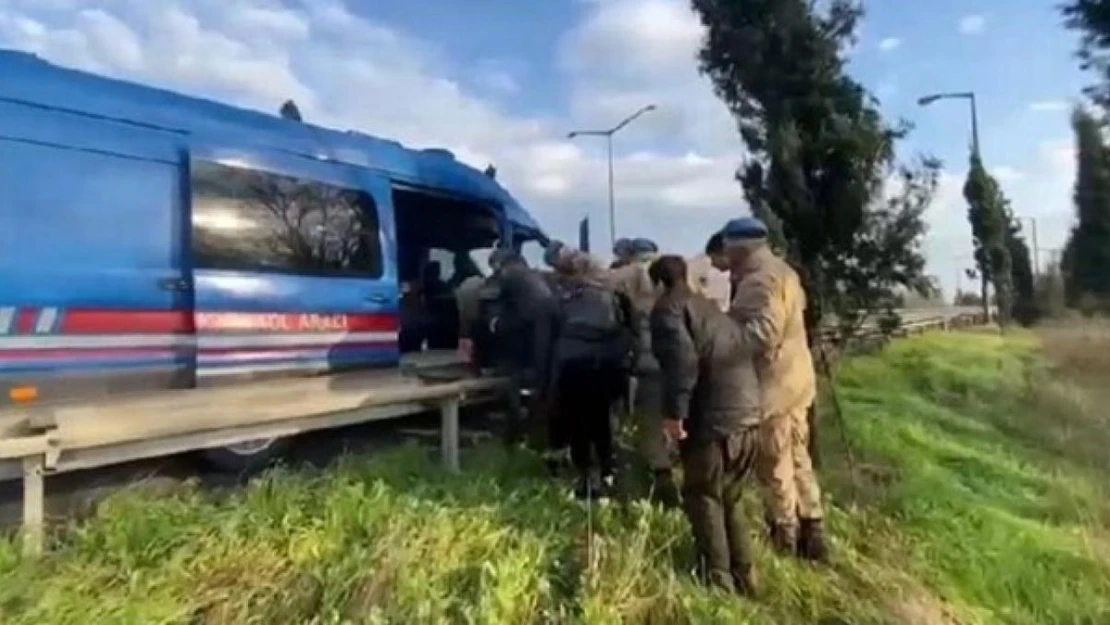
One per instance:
(53, 440)
(50, 440)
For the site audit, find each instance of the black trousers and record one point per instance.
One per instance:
(587, 390)
(714, 471)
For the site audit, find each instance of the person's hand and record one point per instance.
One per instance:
(673, 430)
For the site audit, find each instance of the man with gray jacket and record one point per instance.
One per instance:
(711, 400)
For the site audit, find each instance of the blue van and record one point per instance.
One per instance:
(150, 240)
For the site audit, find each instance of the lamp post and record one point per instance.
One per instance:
(959, 95)
(608, 134)
(926, 100)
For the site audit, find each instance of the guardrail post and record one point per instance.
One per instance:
(449, 444)
(34, 495)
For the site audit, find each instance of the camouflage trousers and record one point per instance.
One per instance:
(785, 470)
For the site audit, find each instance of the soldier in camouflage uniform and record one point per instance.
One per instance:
(769, 305)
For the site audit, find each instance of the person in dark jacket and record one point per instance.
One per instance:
(521, 329)
(590, 362)
(712, 405)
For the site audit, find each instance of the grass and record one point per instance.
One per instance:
(980, 495)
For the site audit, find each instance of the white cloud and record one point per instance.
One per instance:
(1048, 106)
(890, 44)
(972, 24)
(337, 65)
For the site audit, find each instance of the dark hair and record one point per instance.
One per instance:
(715, 245)
(670, 270)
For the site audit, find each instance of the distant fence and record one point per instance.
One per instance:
(869, 336)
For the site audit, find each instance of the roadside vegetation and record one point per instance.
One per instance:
(980, 495)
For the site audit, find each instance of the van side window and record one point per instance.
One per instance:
(247, 220)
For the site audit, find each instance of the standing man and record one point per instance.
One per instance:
(711, 399)
(645, 396)
(520, 325)
(769, 305)
(592, 341)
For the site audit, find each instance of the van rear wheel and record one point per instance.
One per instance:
(245, 457)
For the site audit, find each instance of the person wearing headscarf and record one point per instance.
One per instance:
(769, 305)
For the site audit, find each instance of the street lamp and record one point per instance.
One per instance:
(926, 100)
(608, 134)
(960, 95)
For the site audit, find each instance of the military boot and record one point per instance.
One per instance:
(811, 541)
(784, 539)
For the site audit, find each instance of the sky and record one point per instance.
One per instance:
(504, 82)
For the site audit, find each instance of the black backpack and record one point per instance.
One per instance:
(596, 315)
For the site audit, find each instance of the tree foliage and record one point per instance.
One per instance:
(1026, 308)
(988, 212)
(1091, 18)
(290, 111)
(820, 153)
(1086, 259)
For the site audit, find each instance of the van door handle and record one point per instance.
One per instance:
(173, 284)
(377, 298)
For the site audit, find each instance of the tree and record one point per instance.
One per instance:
(1091, 18)
(289, 110)
(1026, 309)
(988, 214)
(1086, 261)
(820, 153)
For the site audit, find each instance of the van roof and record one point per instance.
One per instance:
(31, 80)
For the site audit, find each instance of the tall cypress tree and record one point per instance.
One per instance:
(1025, 307)
(1087, 255)
(987, 212)
(819, 151)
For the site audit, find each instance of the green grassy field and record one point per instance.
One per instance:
(980, 495)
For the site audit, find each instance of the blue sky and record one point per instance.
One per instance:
(504, 81)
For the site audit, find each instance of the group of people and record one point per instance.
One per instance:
(712, 356)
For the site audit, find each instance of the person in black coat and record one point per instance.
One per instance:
(711, 407)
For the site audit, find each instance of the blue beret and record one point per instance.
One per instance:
(745, 228)
(644, 246)
(622, 247)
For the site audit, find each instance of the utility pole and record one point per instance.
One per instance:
(608, 134)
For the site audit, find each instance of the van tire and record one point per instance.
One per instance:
(246, 458)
